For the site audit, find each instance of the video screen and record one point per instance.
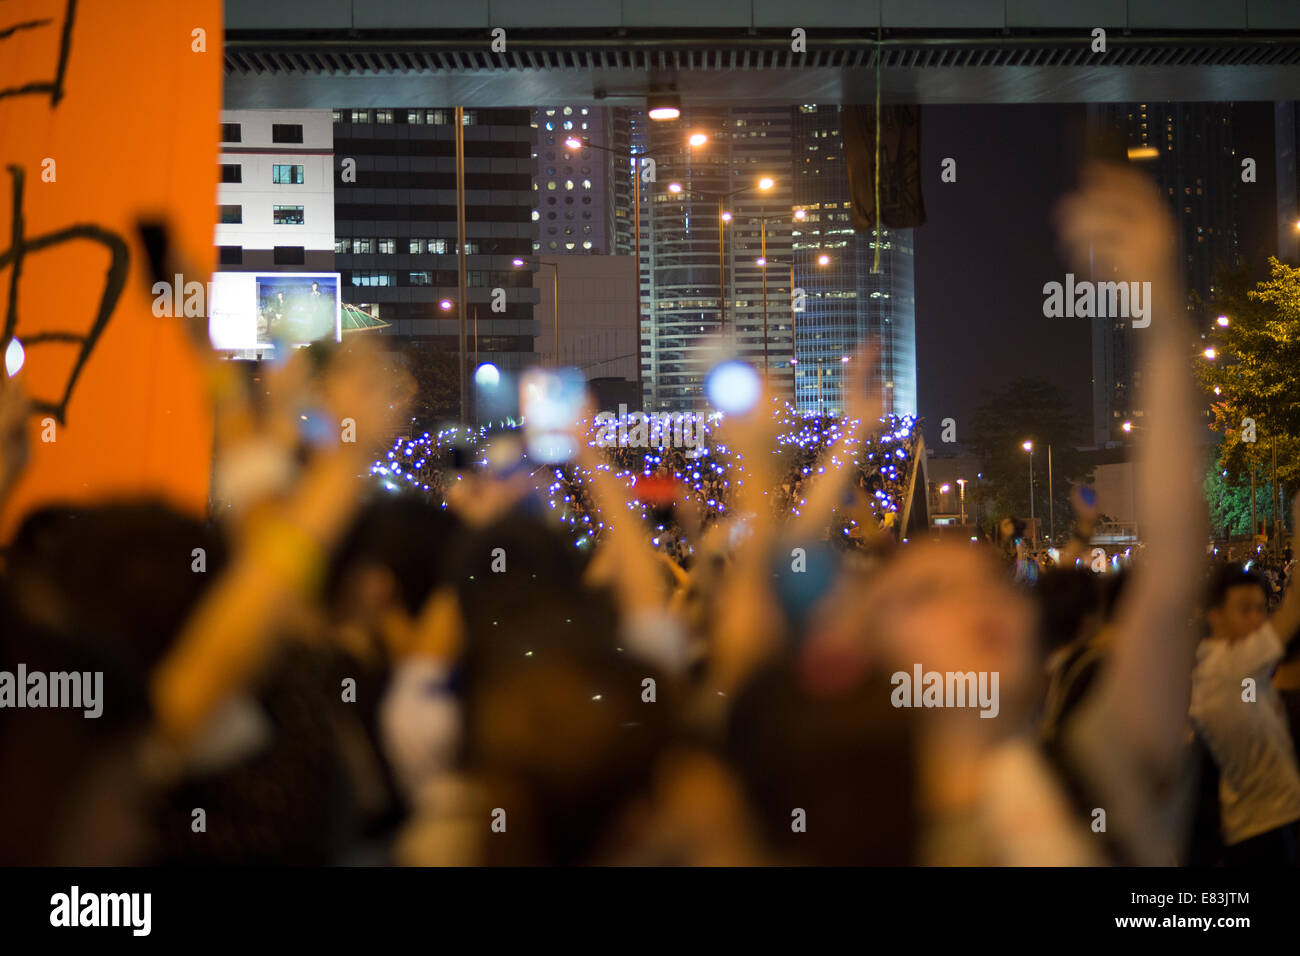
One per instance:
(262, 310)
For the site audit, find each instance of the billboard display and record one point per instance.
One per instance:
(259, 310)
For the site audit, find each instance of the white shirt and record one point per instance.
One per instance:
(1022, 817)
(1259, 783)
(420, 723)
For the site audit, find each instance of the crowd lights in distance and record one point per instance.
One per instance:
(709, 471)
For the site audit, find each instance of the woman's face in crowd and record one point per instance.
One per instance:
(949, 608)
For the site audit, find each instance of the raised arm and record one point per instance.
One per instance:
(1128, 741)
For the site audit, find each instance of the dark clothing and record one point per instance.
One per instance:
(1280, 847)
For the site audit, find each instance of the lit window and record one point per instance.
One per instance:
(287, 215)
(289, 175)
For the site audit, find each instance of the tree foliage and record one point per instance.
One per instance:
(1255, 375)
(437, 383)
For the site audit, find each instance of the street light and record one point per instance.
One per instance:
(763, 262)
(555, 276)
(1029, 447)
(961, 484)
(1210, 353)
(724, 217)
(1223, 321)
(663, 106)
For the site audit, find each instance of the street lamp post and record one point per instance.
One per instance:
(724, 217)
(576, 142)
(1029, 447)
(764, 262)
(961, 484)
(461, 283)
(762, 251)
(1051, 505)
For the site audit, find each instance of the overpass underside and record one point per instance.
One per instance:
(374, 53)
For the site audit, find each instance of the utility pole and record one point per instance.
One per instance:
(636, 272)
(1254, 519)
(460, 255)
(1277, 511)
(1051, 505)
(763, 252)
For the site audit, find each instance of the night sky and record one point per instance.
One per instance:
(988, 246)
(982, 257)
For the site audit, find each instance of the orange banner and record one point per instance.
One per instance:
(108, 119)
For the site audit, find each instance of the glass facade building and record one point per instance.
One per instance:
(845, 304)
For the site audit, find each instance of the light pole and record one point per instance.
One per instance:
(822, 260)
(1051, 505)
(519, 264)
(724, 217)
(461, 281)
(633, 157)
(961, 484)
(1029, 447)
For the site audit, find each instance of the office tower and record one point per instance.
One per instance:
(572, 187)
(683, 326)
(1189, 149)
(395, 226)
(845, 303)
(276, 195)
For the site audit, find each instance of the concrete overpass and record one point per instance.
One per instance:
(340, 53)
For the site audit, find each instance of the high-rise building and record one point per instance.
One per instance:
(767, 244)
(395, 226)
(845, 303)
(572, 187)
(275, 214)
(1195, 166)
(276, 195)
(681, 194)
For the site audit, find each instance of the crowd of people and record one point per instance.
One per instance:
(337, 667)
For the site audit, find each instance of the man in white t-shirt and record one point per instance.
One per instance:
(1239, 715)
